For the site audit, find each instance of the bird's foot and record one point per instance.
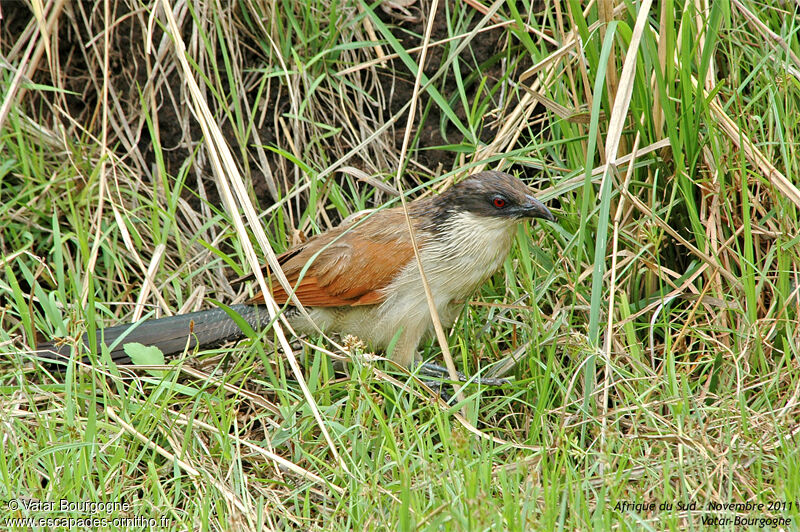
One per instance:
(441, 388)
(435, 370)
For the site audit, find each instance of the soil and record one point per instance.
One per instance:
(129, 71)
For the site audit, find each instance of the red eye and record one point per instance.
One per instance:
(499, 203)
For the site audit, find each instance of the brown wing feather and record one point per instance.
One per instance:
(355, 266)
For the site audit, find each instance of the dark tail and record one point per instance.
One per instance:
(206, 328)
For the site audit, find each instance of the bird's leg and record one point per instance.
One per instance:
(435, 370)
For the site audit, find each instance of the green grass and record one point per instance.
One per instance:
(654, 328)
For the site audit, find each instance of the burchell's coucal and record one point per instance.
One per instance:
(365, 279)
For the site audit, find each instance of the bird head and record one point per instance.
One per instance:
(494, 194)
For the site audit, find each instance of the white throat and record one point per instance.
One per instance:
(469, 250)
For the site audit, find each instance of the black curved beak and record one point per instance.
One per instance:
(534, 208)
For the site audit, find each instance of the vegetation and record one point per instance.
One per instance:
(650, 336)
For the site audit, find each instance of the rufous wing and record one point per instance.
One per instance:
(352, 265)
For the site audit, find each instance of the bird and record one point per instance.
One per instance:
(362, 277)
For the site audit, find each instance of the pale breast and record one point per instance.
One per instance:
(475, 250)
(455, 266)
